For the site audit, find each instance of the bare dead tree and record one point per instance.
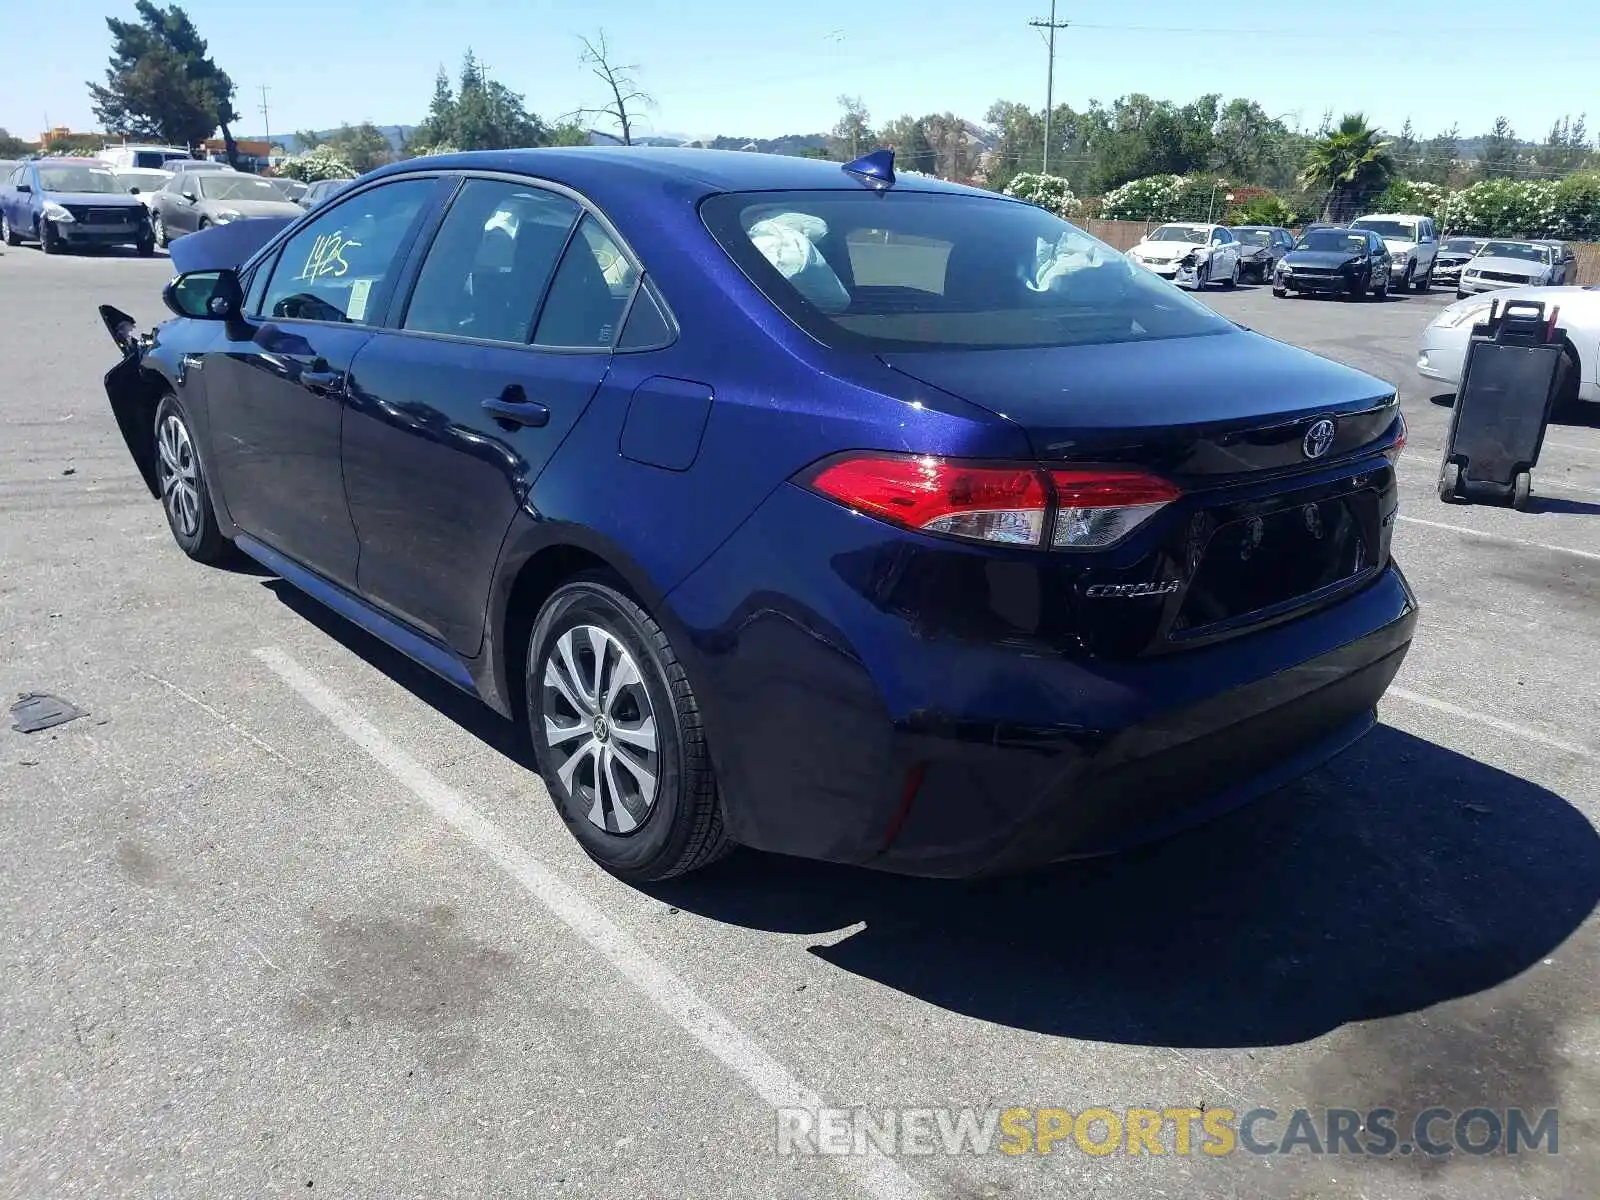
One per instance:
(626, 95)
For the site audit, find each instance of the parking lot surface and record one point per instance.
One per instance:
(284, 913)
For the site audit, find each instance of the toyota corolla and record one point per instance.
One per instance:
(871, 519)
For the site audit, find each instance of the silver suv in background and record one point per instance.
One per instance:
(1413, 242)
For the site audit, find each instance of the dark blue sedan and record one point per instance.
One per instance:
(791, 505)
(71, 203)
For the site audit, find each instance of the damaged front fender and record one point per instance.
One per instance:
(134, 392)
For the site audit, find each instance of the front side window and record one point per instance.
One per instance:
(589, 293)
(63, 177)
(343, 263)
(488, 266)
(916, 270)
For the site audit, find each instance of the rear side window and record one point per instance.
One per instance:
(915, 270)
(490, 263)
(590, 292)
(648, 326)
(342, 265)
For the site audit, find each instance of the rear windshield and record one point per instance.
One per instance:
(1341, 240)
(1522, 250)
(1254, 237)
(914, 270)
(1401, 230)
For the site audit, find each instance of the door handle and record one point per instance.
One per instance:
(321, 383)
(512, 407)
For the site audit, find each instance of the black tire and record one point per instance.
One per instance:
(1232, 281)
(203, 226)
(1202, 276)
(1405, 280)
(1521, 491)
(681, 826)
(1460, 295)
(1566, 404)
(1450, 482)
(49, 240)
(1281, 293)
(1425, 283)
(147, 248)
(158, 230)
(191, 518)
(12, 237)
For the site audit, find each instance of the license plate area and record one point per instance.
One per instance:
(1265, 561)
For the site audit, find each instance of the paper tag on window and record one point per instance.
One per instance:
(359, 291)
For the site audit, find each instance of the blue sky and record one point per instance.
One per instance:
(767, 69)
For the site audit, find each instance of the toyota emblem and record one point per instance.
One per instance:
(1319, 438)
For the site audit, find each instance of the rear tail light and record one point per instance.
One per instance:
(1399, 443)
(1007, 504)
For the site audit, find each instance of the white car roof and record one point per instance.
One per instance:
(1394, 217)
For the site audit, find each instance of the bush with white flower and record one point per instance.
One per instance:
(1576, 200)
(1412, 196)
(1047, 191)
(1153, 198)
(1504, 208)
(321, 162)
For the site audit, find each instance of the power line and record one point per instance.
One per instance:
(1050, 77)
(265, 122)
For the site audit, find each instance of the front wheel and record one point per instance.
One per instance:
(1232, 281)
(49, 239)
(1460, 295)
(1281, 293)
(1426, 281)
(146, 248)
(11, 236)
(185, 493)
(158, 230)
(1521, 491)
(617, 732)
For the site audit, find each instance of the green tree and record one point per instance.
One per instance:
(568, 133)
(161, 82)
(1018, 134)
(851, 135)
(12, 147)
(1405, 150)
(1438, 161)
(1348, 164)
(913, 151)
(363, 146)
(480, 114)
(1499, 159)
(1567, 147)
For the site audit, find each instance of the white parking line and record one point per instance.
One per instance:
(874, 1173)
(1500, 537)
(1467, 714)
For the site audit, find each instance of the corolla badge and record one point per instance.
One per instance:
(1319, 438)
(1129, 591)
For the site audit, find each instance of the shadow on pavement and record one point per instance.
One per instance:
(1400, 876)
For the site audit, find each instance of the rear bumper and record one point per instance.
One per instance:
(844, 730)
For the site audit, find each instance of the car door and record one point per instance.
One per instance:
(1224, 254)
(499, 348)
(275, 384)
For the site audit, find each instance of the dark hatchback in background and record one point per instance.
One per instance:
(1261, 249)
(71, 204)
(790, 505)
(1335, 261)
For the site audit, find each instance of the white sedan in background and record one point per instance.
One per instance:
(143, 182)
(1166, 252)
(1442, 349)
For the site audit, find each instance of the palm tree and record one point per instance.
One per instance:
(1350, 162)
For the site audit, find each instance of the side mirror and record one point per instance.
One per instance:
(25, 187)
(133, 191)
(188, 196)
(206, 295)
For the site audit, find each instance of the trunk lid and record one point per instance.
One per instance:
(1198, 410)
(1275, 520)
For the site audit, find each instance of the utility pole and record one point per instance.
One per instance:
(266, 124)
(1049, 79)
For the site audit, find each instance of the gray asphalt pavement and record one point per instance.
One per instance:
(283, 915)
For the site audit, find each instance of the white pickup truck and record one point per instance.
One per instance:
(1413, 243)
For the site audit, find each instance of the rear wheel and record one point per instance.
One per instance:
(185, 493)
(617, 732)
